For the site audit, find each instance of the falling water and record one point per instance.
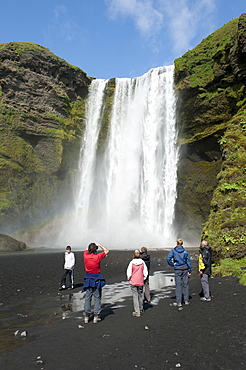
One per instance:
(127, 189)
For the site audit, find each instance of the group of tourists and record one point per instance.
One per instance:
(179, 259)
(138, 276)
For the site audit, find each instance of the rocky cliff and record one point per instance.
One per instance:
(42, 101)
(210, 82)
(41, 122)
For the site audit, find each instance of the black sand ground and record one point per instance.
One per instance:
(204, 335)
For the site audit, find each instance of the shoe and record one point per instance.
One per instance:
(63, 287)
(175, 304)
(187, 303)
(136, 314)
(96, 319)
(203, 299)
(86, 319)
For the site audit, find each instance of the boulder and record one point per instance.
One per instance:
(8, 244)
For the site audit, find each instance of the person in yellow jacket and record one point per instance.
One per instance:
(205, 261)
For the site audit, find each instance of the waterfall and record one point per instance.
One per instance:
(127, 189)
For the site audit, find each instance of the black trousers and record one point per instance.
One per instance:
(69, 272)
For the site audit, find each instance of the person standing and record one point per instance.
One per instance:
(146, 258)
(179, 259)
(136, 273)
(68, 268)
(94, 280)
(205, 261)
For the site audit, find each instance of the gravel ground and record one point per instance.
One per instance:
(204, 335)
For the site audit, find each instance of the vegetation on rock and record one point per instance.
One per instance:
(42, 112)
(210, 82)
(42, 121)
(232, 267)
(226, 225)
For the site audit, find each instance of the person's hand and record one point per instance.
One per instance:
(189, 273)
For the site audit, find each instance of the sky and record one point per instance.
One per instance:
(115, 38)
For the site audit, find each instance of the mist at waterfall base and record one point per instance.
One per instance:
(125, 196)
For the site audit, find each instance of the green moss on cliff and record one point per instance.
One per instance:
(230, 267)
(209, 93)
(17, 153)
(226, 226)
(210, 83)
(76, 124)
(34, 165)
(196, 183)
(200, 65)
(106, 113)
(20, 48)
(41, 124)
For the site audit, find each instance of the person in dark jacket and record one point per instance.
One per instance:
(146, 258)
(205, 261)
(179, 259)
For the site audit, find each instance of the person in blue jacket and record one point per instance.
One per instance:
(179, 258)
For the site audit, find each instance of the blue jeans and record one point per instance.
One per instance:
(182, 285)
(97, 301)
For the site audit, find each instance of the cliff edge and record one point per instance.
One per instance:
(210, 83)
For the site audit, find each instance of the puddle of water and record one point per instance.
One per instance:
(160, 280)
(64, 306)
(161, 286)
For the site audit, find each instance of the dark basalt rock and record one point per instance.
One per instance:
(8, 244)
(210, 83)
(41, 122)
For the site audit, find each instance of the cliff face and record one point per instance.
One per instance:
(210, 82)
(42, 101)
(41, 122)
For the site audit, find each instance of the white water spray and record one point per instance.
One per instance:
(127, 191)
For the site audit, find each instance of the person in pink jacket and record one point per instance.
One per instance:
(136, 273)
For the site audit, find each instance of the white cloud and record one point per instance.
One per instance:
(147, 18)
(62, 26)
(184, 19)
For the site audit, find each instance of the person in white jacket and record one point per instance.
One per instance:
(68, 268)
(136, 273)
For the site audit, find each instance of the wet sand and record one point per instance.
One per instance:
(204, 335)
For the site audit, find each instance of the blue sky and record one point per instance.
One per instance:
(115, 38)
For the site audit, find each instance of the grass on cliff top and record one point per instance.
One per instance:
(231, 267)
(21, 47)
(199, 62)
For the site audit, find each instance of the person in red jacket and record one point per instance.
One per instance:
(136, 273)
(94, 280)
